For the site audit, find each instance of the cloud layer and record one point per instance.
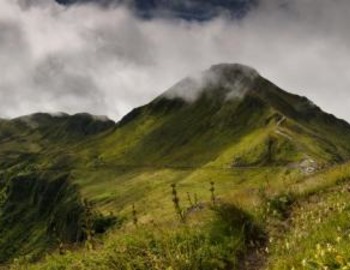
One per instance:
(107, 61)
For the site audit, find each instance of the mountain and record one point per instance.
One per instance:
(42, 132)
(31, 196)
(229, 115)
(227, 124)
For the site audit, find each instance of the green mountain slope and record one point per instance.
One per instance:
(228, 125)
(36, 192)
(236, 118)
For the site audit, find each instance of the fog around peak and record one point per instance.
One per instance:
(235, 79)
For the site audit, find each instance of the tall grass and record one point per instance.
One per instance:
(216, 244)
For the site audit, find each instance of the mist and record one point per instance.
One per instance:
(85, 58)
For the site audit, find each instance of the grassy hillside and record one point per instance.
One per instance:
(39, 202)
(302, 224)
(94, 193)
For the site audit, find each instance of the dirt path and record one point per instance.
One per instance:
(255, 259)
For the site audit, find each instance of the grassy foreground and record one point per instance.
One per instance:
(216, 244)
(304, 226)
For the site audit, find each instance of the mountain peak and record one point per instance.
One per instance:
(76, 124)
(232, 79)
(226, 69)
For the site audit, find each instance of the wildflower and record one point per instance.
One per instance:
(322, 253)
(304, 262)
(318, 247)
(287, 245)
(329, 247)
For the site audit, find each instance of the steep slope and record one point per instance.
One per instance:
(37, 211)
(228, 115)
(38, 202)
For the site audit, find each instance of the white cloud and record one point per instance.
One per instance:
(106, 61)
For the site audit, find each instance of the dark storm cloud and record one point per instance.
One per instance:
(185, 9)
(107, 61)
(25, 4)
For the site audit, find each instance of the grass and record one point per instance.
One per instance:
(214, 244)
(243, 146)
(315, 233)
(318, 235)
(315, 209)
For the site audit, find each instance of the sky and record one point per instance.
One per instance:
(107, 60)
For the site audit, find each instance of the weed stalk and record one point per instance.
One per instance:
(212, 192)
(134, 215)
(88, 224)
(176, 202)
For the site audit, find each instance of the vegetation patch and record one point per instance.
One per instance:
(216, 244)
